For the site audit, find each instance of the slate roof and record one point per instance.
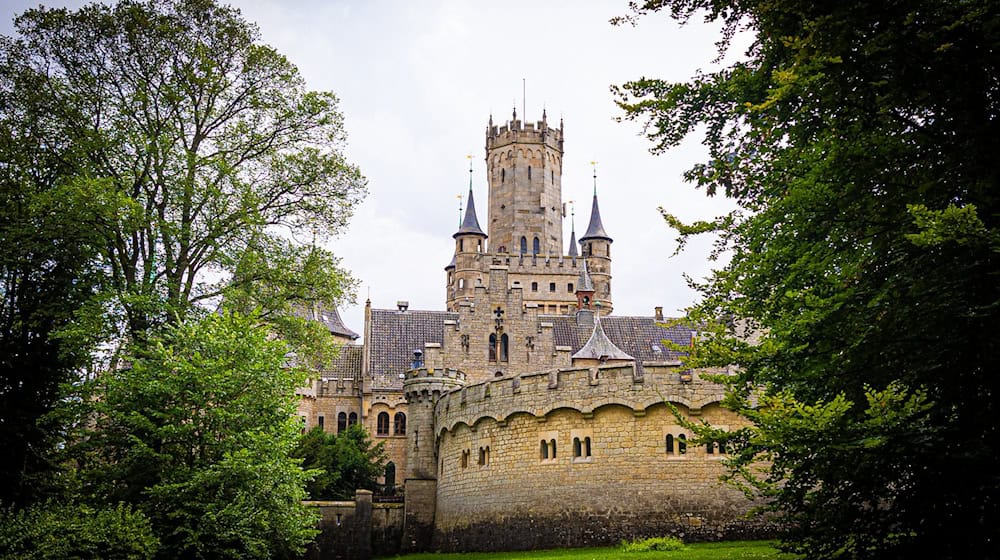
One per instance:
(599, 346)
(471, 223)
(573, 251)
(596, 229)
(395, 335)
(347, 364)
(329, 316)
(636, 336)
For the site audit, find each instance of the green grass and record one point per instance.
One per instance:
(740, 550)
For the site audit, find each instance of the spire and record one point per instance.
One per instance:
(584, 283)
(596, 229)
(470, 225)
(600, 347)
(573, 251)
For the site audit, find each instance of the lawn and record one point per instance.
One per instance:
(742, 550)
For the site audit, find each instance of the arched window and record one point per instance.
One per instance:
(536, 247)
(461, 283)
(577, 447)
(390, 476)
(586, 446)
(399, 424)
(529, 172)
(341, 422)
(352, 419)
(524, 244)
(493, 348)
(382, 426)
(552, 448)
(670, 444)
(682, 446)
(504, 347)
(543, 450)
(503, 175)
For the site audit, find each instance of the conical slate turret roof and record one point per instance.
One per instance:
(596, 229)
(573, 251)
(584, 283)
(600, 346)
(470, 225)
(453, 262)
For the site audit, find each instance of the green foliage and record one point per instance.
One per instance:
(347, 462)
(197, 433)
(55, 531)
(206, 147)
(655, 543)
(860, 301)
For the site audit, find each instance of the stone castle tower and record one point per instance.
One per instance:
(524, 171)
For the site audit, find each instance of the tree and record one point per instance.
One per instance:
(197, 433)
(346, 462)
(858, 141)
(206, 144)
(48, 278)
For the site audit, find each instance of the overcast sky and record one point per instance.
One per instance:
(418, 81)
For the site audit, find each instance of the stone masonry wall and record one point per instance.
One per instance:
(498, 491)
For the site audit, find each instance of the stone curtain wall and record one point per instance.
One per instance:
(497, 490)
(357, 530)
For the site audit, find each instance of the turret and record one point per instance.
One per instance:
(423, 388)
(596, 245)
(464, 272)
(584, 289)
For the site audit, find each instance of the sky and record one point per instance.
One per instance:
(417, 83)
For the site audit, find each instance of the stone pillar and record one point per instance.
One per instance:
(363, 522)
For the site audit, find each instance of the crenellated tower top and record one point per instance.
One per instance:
(524, 168)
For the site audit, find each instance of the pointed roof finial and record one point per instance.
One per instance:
(515, 111)
(470, 225)
(573, 251)
(544, 116)
(596, 229)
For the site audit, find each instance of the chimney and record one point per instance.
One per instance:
(659, 313)
(402, 306)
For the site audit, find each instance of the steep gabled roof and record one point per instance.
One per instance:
(346, 365)
(395, 335)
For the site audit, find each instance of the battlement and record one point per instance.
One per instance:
(424, 382)
(635, 386)
(430, 374)
(516, 131)
(329, 387)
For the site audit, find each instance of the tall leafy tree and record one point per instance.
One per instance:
(208, 145)
(860, 143)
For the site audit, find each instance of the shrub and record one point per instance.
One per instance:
(649, 545)
(55, 531)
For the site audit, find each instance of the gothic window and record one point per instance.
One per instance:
(524, 244)
(586, 447)
(670, 444)
(544, 450)
(465, 459)
(534, 286)
(577, 447)
(569, 287)
(682, 446)
(320, 421)
(382, 426)
(399, 424)
(352, 419)
(493, 348)
(536, 247)
(484, 456)
(504, 347)
(341, 422)
(390, 475)
(552, 448)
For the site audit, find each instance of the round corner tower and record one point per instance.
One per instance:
(423, 387)
(524, 167)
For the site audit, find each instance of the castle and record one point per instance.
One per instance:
(526, 414)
